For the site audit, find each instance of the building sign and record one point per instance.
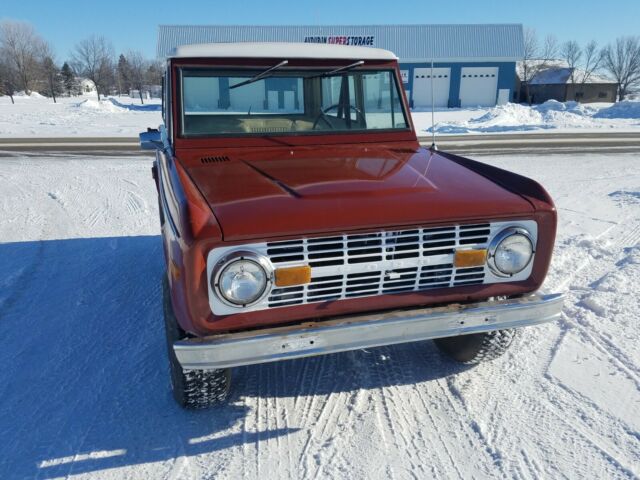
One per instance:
(361, 40)
(404, 75)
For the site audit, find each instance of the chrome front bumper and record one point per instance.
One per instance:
(364, 331)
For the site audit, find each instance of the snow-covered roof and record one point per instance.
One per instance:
(562, 75)
(280, 50)
(472, 42)
(558, 72)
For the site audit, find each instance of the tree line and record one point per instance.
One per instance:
(28, 63)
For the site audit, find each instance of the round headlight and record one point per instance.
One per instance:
(510, 252)
(242, 281)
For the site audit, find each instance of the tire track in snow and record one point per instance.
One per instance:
(534, 413)
(588, 436)
(468, 436)
(601, 343)
(419, 421)
(577, 303)
(337, 411)
(629, 236)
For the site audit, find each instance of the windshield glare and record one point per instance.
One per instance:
(289, 102)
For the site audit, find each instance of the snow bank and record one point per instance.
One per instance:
(111, 105)
(624, 109)
(32, 95)
(102, 106)
(37, 116)
(508, 115)
(551, 115)
(147, 107)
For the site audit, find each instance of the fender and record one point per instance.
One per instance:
(529, 189)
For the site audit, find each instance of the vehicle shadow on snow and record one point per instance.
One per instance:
(84, 383)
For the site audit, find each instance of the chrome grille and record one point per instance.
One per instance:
(369, 264)
(327, 256)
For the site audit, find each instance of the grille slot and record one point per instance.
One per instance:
(424, 257)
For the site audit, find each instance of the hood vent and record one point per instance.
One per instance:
(214, 159)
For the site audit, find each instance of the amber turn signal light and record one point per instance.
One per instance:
(470, 258)
(286, 277)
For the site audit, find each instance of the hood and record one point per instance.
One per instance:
(328, 189)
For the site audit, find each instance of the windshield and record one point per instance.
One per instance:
(218, 102)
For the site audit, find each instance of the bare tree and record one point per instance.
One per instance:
(154, 72)
(536, 57)
(137, 68)
(592, 61)
(22, 48)
(571, 53)
(582, 62)
(50, 71)
(622, 61)
(8, 78)
(93, 58)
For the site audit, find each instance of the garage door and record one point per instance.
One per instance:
(422, 87)
(478, 86)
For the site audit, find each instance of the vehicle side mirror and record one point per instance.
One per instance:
(151, 140)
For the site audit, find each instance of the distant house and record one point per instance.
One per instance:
(86, 85)
(562, 83)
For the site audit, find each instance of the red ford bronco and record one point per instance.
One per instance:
(300, 216)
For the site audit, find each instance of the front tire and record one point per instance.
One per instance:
(478, 347)
(193, 389)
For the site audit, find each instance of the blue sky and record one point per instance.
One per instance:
(133, 25)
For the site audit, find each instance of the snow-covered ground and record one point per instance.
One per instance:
(83, 116)
(85, 390)
(550, 116)
(38, 116)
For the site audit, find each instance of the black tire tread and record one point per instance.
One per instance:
(193, 389)
(477, 348)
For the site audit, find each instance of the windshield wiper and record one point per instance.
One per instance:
(338, 70)
(260, 75)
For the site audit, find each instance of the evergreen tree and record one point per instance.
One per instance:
(68, 79)
(123, 74)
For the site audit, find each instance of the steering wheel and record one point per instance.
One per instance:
(323, 114)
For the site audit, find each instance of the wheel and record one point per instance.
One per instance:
(477, 347)
(191, 388)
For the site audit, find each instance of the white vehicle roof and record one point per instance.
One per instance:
(280, 50)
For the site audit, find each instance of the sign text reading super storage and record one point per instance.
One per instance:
(342, 39)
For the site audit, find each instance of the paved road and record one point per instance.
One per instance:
(463, 144)
(538, 143)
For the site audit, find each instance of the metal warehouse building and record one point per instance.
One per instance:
(473, 64)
